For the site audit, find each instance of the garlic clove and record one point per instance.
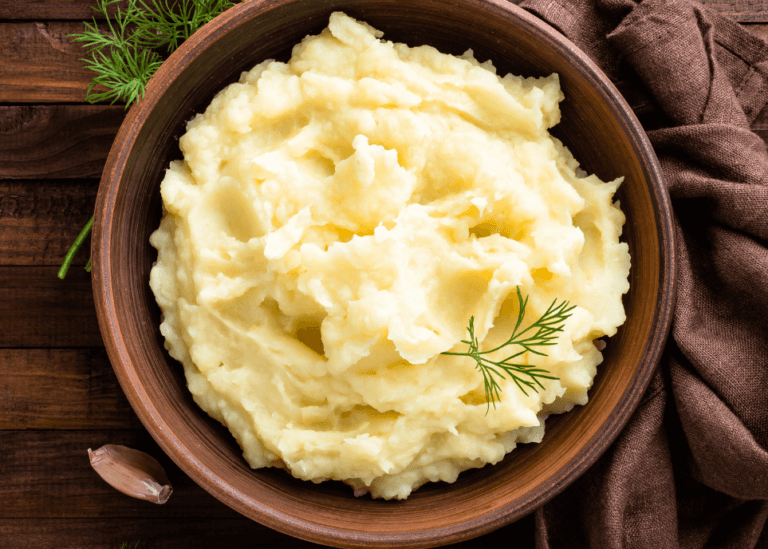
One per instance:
(132, 472)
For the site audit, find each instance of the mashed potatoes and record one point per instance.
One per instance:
(336, 222)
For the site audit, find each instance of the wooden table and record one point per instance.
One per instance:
(58, 393)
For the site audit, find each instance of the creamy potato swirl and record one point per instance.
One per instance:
(334, 224)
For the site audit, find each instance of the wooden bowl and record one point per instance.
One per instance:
(600, 130)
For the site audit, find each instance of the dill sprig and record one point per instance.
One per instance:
(120, 63)
(136, 42)
(542, 333)
(129, 51)
(161, 25)
(76, 245)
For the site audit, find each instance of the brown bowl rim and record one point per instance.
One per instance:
(185, 459)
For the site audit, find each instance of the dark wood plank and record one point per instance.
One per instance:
(758, 29)
(200, 533)
(46, 474)
(51, 10)
(61, 389)
(39, 220)
(48, 10)
(755, 11)
(142, 533)
(40, 64)
(56, 141)
(39, 310)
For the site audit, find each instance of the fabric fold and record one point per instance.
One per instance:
(690, 468)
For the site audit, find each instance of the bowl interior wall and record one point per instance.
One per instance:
(482, 498)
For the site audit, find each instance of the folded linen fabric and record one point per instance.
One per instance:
(691, 468)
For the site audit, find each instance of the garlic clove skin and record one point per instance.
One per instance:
(132, 472)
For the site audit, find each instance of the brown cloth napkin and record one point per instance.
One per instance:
(691, 468)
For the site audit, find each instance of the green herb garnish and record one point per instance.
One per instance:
(136, 42)
(541, 333)
(73, 250)
(131, 49)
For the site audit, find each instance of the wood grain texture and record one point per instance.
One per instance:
(755, 11)
(39, 220)
(46, 10)
(39, 310)
(201, 533)
(39, 464)
(46, 477)
(61, 389)
(144, 533)
(758, 29)
(40, 64)
(56, 141)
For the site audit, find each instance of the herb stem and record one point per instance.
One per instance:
(130, 50)
(76, 245)
(523, 375)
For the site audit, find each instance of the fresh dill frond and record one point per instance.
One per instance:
(124, 73)
(163, 25)
(136, 41)
(542, 333)
(128, 52)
